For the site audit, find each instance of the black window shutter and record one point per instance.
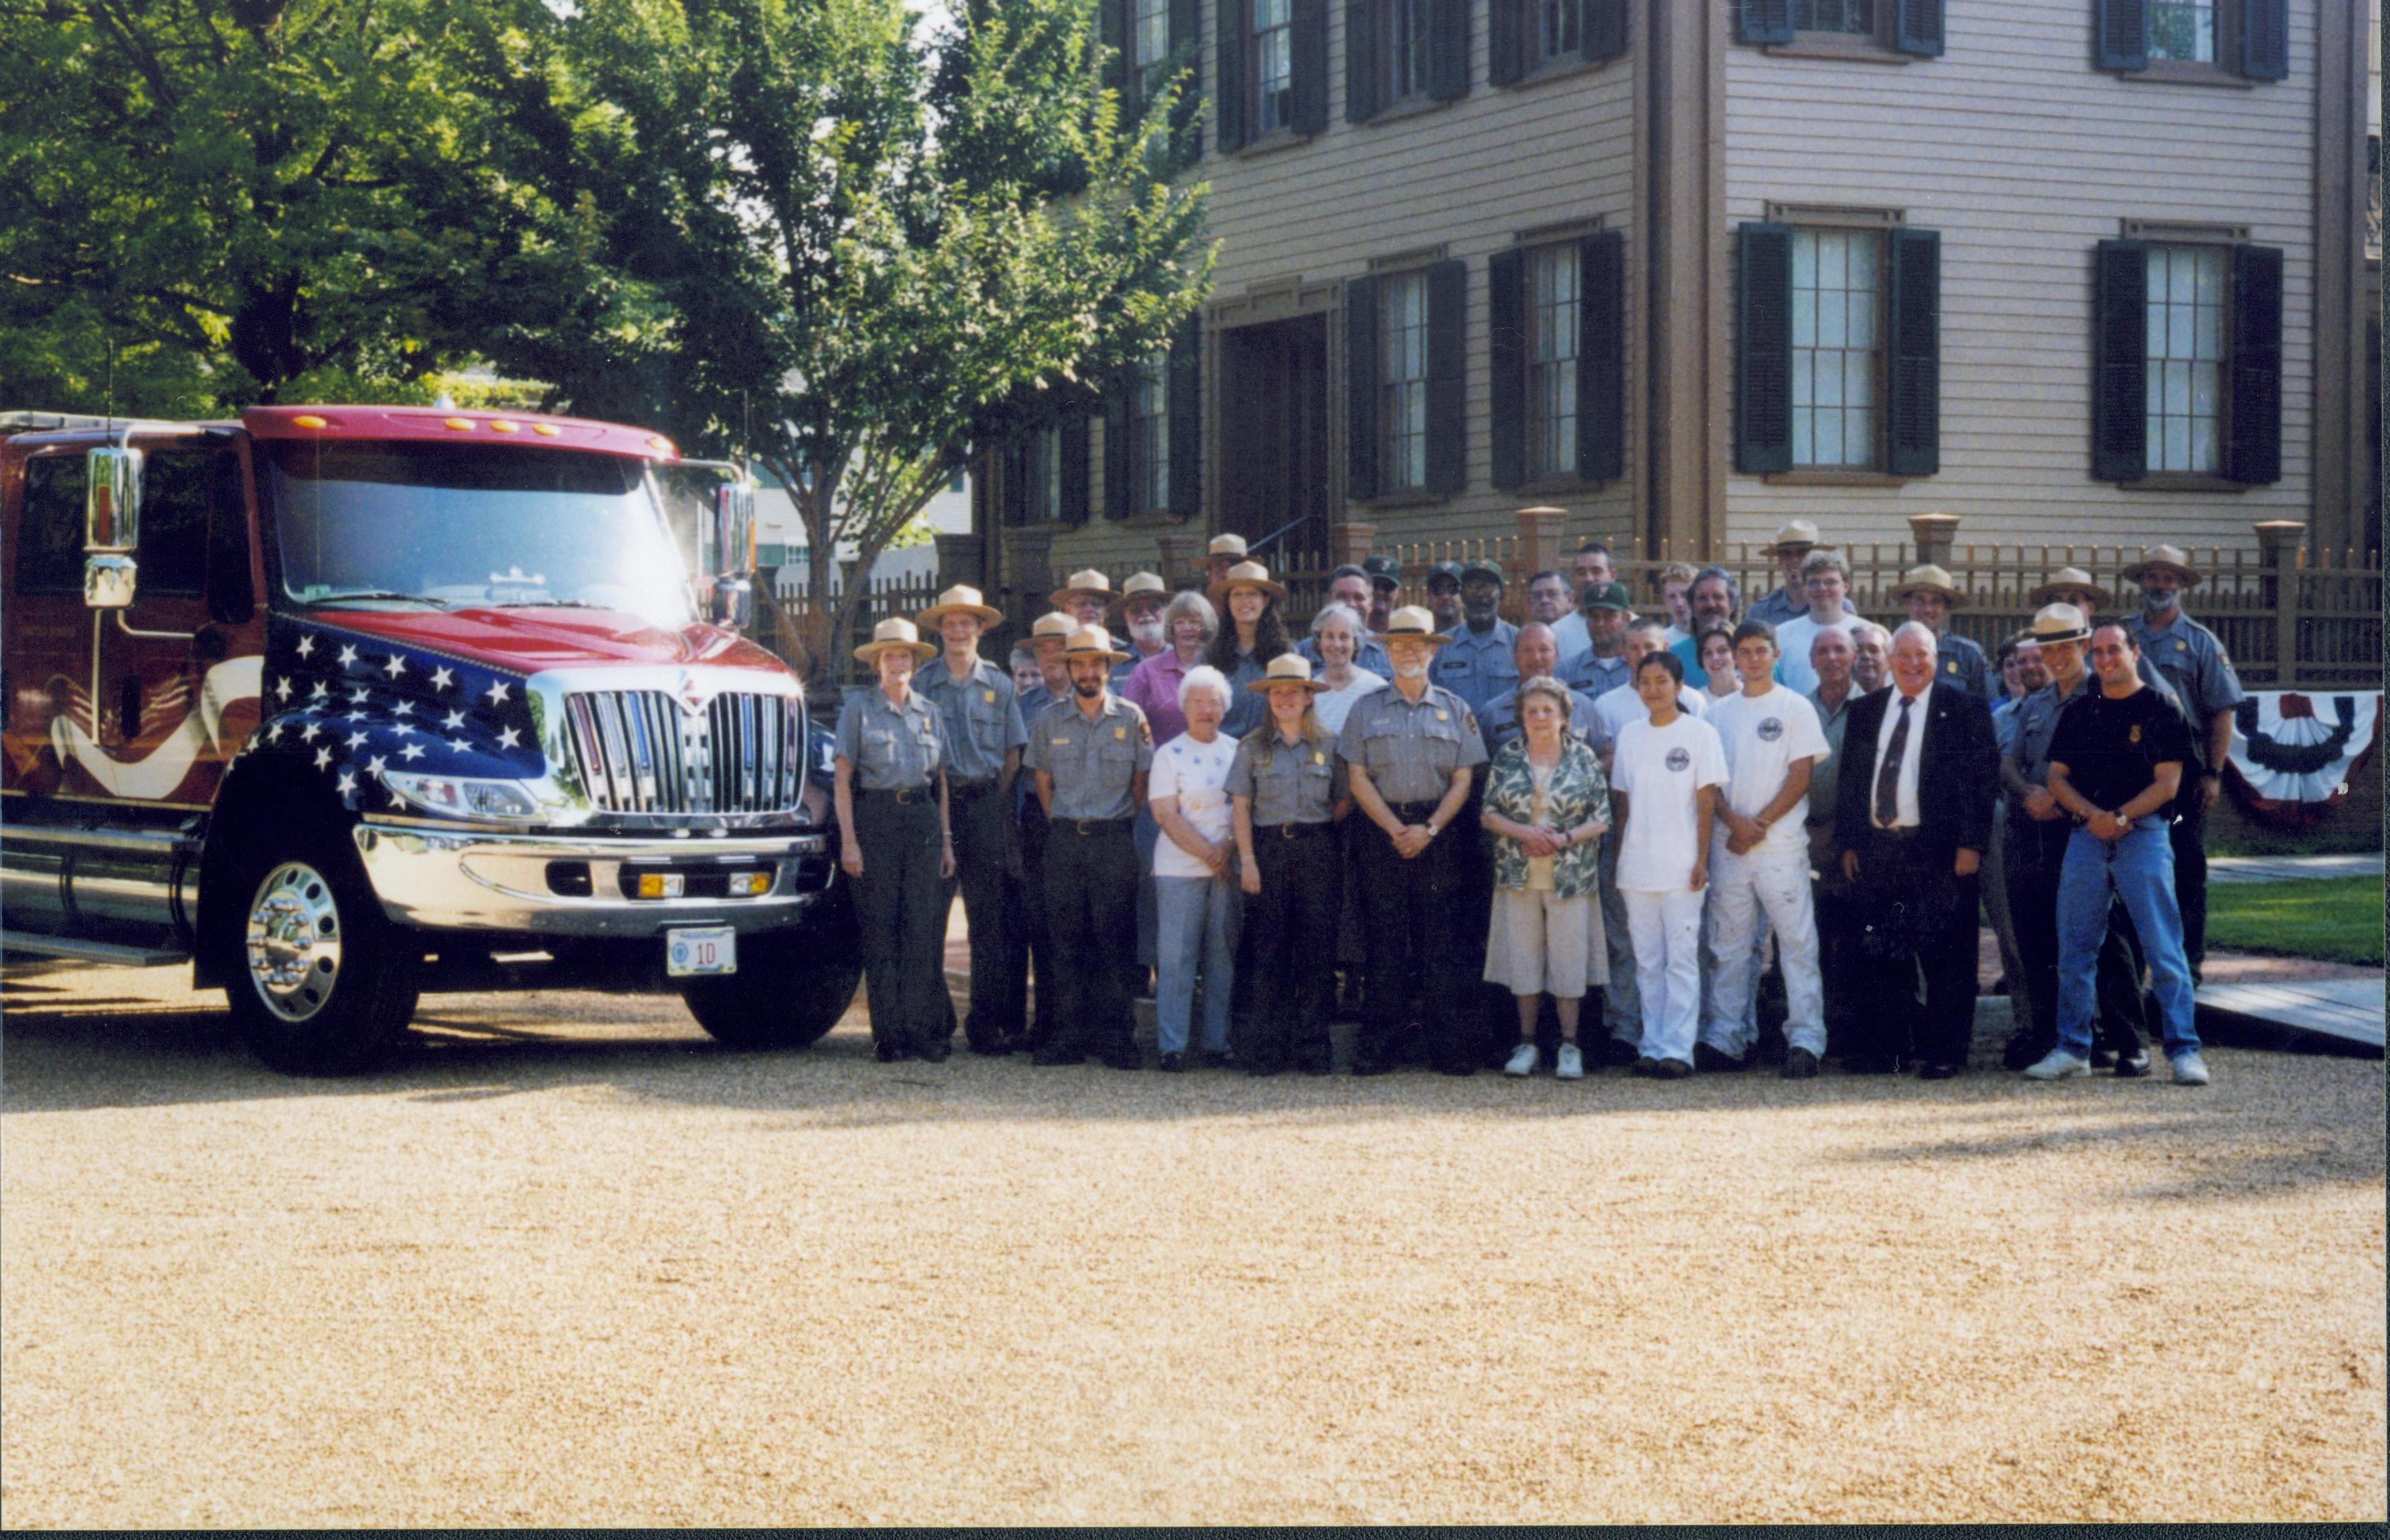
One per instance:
(1763, 362)
(2266, 38)
(1229, 89)
(1120, 467)
(1913, 425)
(1601, 30)
(1112, 27)
(1506, 45)
(1448, 70)
(1310, 43)
(1601, 357)
(1186, 407)
(1361, 389)
(2120, 364)
(1763, 20)
(2255, 397)
(1917, 28)
(1360, 60)
(1448, 360)
(1186, 54)
(2121, 33)
(1078, 461)
(1505, 344)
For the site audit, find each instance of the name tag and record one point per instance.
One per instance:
(1059, 742)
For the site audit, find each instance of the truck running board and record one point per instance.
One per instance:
(29, 945)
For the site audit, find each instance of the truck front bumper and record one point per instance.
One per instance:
(565, 885)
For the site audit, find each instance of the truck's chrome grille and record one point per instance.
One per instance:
(637, 751)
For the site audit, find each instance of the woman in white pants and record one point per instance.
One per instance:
(1663, 785)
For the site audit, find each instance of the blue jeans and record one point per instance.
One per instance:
(2138, 869)
(1195, 935)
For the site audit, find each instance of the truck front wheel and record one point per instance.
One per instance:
(327, 983)
(791, 988)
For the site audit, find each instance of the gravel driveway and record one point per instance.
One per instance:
(571, 1263)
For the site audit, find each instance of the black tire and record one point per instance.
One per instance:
(792, 985)
(324, 983)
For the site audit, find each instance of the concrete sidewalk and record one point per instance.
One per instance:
(2291, 868)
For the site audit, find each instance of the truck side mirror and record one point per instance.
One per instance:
(730, 557)
(112, 519)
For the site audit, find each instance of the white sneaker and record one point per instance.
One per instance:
(1523, 1061)
(2189, 1069)
(2058, 1064)
(1571, 1063)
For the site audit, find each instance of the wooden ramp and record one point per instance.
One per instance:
(2349, 1009)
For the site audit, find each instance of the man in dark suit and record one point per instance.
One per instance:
(1912, 820)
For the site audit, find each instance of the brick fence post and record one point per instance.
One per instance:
(1350, 545)
(1933, 534)
(1539, 543)
(2278, 546)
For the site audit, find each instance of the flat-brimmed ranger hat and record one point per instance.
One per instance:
(897, 632)
(2171, 558)
(1092, 641)
(1085, 581)
(1930, 579)
(1226, 545)
(2058, 622)
(1287, 668)
(1053, 623)
(1141, 583)
(1247, 574)
(2071, 580)
(1414, 623)
(1799, 535)
(961, 600)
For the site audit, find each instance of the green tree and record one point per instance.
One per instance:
(234, 195)
(842, 245)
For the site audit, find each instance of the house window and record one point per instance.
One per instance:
(1557, 34)
(2186, 359)
(1149, 437)
(1150, 43)
(2183, 31)
(1408, 32)
(1041, 476)
(1855, 17)
(1272, 52)
(1403, 354)
(1553, 299)
(1835, 347)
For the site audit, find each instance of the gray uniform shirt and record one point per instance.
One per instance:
(1477, 666)
(1498, 722)
(1411, 751)
(1594, 676)
(891, 750)
(1300, 784)
(1094, 763)
(981, 716)
(2194, 663)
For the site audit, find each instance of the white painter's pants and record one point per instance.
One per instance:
(1750, 894)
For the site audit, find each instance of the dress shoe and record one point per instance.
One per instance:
(2134, 1065)
(1618, 1050)
(1670, 1069)
(1714, 1061)
(2021, 1051)
(1218, 1059)
(1647, 1067)
(1799, 1064)
(1049, 1057)
(1870, 1064)
(1939, 1072)
(937, 1050)
(1172, 1063)
(887, 1053)
(991, 1047)
(2103, 1059)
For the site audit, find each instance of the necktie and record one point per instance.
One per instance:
(1887, 779)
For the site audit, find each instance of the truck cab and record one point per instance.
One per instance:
(345, 703)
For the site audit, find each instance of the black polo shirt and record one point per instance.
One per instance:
(2111, 749)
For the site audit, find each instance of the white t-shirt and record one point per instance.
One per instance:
(1569, 635)
(1764, 737)
(1331, 705)
(1793, 639)
(1620, 705)
(1197, 774)
(1659, 769)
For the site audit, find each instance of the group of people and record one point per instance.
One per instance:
(1478, 826)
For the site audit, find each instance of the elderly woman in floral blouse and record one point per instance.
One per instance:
(1547, 805)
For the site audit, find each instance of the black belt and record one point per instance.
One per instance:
(1291, 830)
(1895, 833)
(1095, 825)
(902, 796)
(1414, 813)
(971, 789)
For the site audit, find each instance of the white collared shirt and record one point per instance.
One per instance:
(1911, 755)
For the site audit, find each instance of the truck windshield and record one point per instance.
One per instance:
(472, 526)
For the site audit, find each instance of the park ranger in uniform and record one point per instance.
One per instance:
(1090, 755)
(1032, 950)
(1410, 750)
(2207, 689)
(984, 736)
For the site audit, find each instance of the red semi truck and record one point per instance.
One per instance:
(345, 703)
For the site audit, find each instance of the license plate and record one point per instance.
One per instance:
(692, 953)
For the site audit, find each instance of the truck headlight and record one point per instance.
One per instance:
(462, 796)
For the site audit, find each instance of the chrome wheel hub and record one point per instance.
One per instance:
(294, 941)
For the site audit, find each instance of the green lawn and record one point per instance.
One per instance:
(2338, 919)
